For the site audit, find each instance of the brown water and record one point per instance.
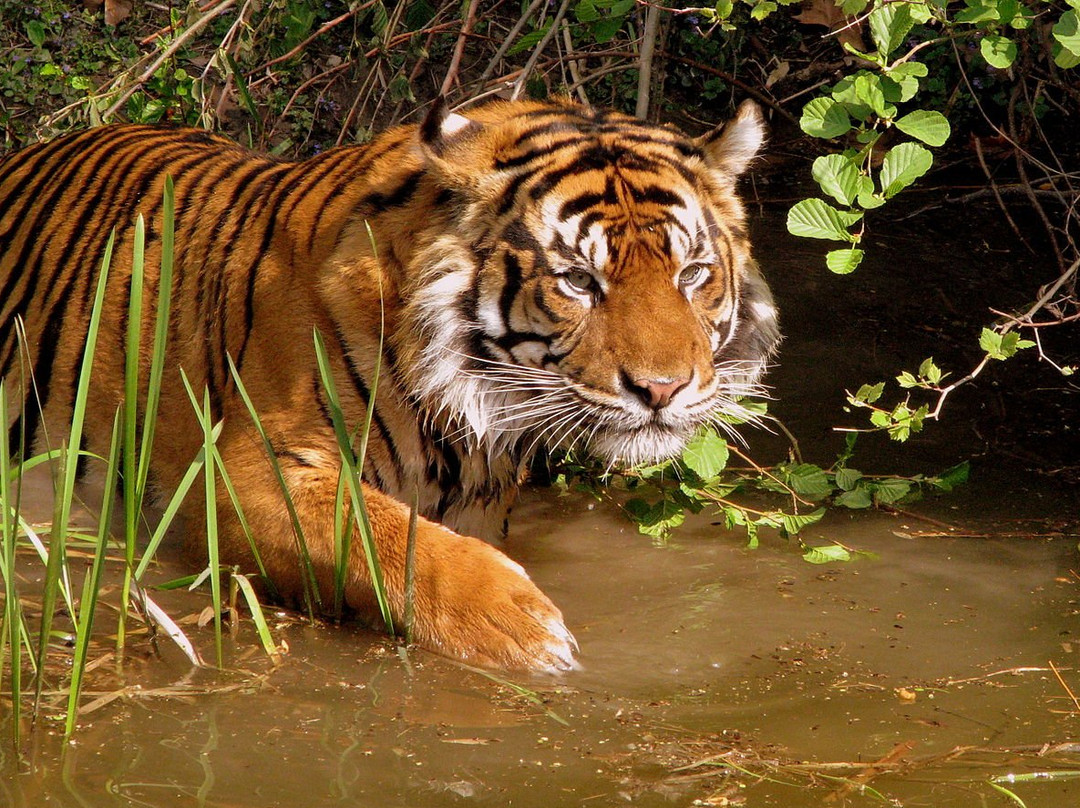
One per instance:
(694, 654)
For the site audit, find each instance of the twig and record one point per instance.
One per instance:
(645, 62)
(1075, 701)
(459, 48)
(166, 54)
(508, 41)
(753, 92)
(997, 196)
(577, 84)
(1005, 672)
(1021, 168)
(950, 529)
(168, 29)
(322, 30)
(519, 85)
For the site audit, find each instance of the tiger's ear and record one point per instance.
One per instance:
(449, 142)
(732, 146)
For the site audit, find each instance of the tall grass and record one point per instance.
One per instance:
(127, 467)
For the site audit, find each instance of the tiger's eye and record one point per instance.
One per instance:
(691, 275)
(581, 280)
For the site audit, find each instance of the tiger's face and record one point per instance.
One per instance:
(611, 303)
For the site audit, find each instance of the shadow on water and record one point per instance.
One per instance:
(712, 674)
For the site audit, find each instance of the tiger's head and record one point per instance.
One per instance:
(597, 290)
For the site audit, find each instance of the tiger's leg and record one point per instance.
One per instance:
(471, 602)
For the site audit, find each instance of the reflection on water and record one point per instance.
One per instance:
(694, 654)
(688, 651)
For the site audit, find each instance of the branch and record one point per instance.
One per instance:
(519, 85)
(648, 47)
(166, 54)
(459, 48)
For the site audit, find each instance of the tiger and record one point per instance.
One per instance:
(517, 277)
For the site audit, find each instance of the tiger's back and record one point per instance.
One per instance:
(534, 274)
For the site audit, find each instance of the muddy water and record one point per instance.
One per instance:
(934, 653)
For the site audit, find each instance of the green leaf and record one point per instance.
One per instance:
(724, 8)
(914, 69)
(660, 519)
(586, 11)
(932, 128)
(891, 490)
(921, 13)
(808, 480)
(998, 51)
(762, 9)
(838, 176)
(792, 523)
(815, 218)
(605, 30)
(990, 341)
(867, 198)
(889, 25)
(824, 118)
(869, 393)
(856, 499)
(978, 13)
(906, 380)
(35, 32)
(1002, 346)
(1063, 58)
(706, 454)
(843, 92)
(846, 478)
(903, 165)
(852, 8)
(952, 477)
(845, 261)
(828, 554)
(529, 40)
(1067, 32)
(930, 371)
(868, 91)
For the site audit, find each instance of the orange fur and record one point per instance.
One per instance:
(547, 274)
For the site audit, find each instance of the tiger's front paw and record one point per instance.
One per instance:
(474, 604)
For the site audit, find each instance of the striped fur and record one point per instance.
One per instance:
(549, 274)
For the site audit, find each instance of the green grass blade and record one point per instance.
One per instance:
(130, 421)
(258, 617)
(12, 616)
(352, 478)
(312, 597)
(68, 468)
(243, 91)
(92, 583)
(161, 334)
(343, 528)
(226, 480)
(210, 488)
(172, 509)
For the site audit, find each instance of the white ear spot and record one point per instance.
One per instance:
(452, 124)
(763, 310)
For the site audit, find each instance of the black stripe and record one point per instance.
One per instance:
(378, 202)
(655, 195)
(45, 198)
(579, 204)
(511, 286)
(362, 391)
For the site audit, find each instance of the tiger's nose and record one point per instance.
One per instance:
(657, 393)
